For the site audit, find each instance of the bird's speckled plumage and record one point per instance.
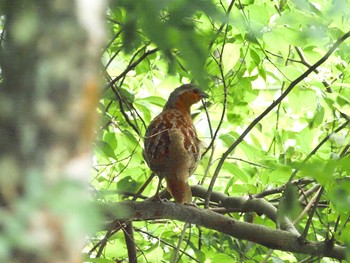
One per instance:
(171, 147)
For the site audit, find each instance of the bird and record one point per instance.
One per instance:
(171, 144)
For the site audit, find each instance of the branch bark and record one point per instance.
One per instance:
(271, 238)
(248, 204)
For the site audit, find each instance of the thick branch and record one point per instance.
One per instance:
(271, 238)
(248, 204)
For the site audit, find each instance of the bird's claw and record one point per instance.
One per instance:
(157, 199)
(191, 204)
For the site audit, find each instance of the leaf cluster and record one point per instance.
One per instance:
(276, 125)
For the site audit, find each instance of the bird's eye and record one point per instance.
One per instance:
(195, 91)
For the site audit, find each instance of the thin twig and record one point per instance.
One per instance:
(308, 223)
(218, 32)
(108, 45)
(306, 63)
(193, 259)
(212, 148)
(306, 209)
(313, 203)
(132, 66)
(248, 162)
(178, 247)
(270, 108)
(302, 181)
(219, 63)
(325, 139)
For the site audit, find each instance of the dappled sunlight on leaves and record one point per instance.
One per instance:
(247, 56)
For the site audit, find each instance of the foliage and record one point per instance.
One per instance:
(249, 56)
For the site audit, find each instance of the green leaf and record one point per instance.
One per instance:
(282, 38)
(228, 138)
(289, 205)
(220, 257)
(111, 139)
(127, 184)
(340, 196)
(318, 116)
(237, 172)
(104, 148)
(254, 55)
(280, 174)
(97, 260)
(260, 17)
(155, 254)
(320, 170)
(158, 101)
(129, 140)
(145, 111)
(230, 56)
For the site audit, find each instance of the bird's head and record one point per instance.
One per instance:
(183, 97)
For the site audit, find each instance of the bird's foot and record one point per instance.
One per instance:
(191, 204)
(156, 198)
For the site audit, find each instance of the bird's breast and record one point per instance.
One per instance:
(170, 141)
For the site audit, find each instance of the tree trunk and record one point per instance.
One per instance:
(48, 99)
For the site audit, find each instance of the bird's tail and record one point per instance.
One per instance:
(179, 189)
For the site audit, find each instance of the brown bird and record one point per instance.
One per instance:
(171, 147)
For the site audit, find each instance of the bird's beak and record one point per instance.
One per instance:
(204, 95)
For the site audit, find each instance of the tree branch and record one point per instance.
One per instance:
(248, 204)
(130, 242)
(271, 238)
